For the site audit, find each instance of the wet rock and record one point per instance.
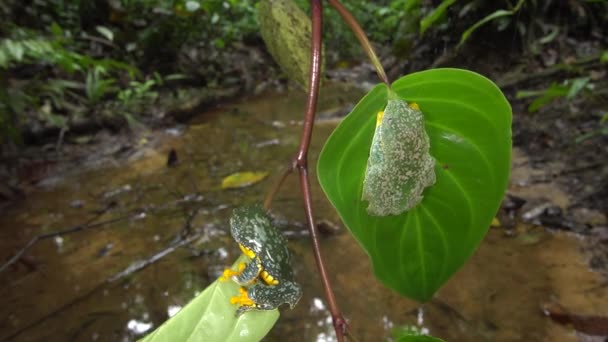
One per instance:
(512, 202)
(105, 250)
(327, 227)
(532, 214)
(77, 204)
(552, 216)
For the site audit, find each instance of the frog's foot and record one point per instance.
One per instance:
(229, 273)
(242, 298)
(245, 303)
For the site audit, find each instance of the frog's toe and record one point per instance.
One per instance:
(241, 301)
(232, 274)
(242, 298)
(227, 274)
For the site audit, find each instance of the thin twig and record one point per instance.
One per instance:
(362, 37)
(277, 185)
(141, 264)
(301, 163)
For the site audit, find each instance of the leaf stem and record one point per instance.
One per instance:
(362, 37)
(301, 163)
(277, 185)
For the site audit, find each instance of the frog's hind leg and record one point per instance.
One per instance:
(249, 274)
(269, 297)
(244, 308)
(292, 292)
(245, 303)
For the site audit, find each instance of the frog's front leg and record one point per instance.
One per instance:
(228, 272)
(249, 274)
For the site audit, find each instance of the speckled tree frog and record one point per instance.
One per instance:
(267, 279)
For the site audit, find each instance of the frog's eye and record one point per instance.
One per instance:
(248, 252)
(399, 165)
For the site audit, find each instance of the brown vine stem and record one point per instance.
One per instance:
(301, 163)
(362, 37)
(277, 185)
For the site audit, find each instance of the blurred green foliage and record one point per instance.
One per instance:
(568, 89)
(69, 57)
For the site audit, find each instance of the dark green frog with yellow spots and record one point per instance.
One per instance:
(267, 279)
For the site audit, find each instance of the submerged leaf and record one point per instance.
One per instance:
(242, 179)
(399, 165)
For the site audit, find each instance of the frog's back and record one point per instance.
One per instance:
(251, 227)
(276, 258)
(247, 226)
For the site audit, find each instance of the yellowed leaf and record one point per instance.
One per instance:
(286, 30)
(242, 179)
(495, 222)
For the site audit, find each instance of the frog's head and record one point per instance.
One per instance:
(249, 226)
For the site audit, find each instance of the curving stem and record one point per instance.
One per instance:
(301, 163)
(360, 34)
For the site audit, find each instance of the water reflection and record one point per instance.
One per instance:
(139, 327)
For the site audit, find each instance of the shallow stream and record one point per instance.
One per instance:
(65, 289)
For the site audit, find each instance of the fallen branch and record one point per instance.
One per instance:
(78, 228)
(89, 225)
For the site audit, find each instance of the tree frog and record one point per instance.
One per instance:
(267, 280)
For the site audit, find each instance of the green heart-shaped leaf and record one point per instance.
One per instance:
(468, 121)
(211, 317)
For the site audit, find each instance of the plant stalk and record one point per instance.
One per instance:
(362, 37)
(277, 185)
(301, 163)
